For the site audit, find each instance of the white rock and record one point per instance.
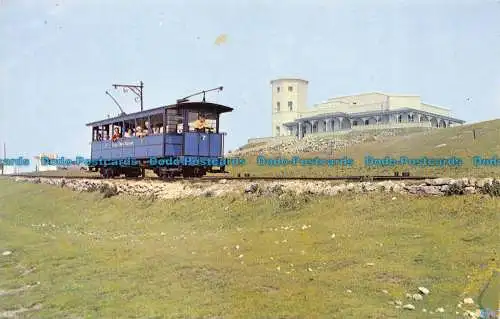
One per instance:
(417, 297)
(399, 302)
(370, 264)
(394, 198)
(348, 291)
(333, 236)
(423, 290)
(469, 301)
(440, 309)
(6, 253)
(409, 307)
(385, 291)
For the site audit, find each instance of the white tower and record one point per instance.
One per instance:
(289, 100)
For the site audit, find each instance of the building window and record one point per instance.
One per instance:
(277, 130)
(355, 123)
(277, 106)
(290, 105)
(400, 118)
(410, 118)
(278, 89)
(367, 122)
(290, 89)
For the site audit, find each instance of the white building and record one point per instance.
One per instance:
(291, 116)
(43, 168)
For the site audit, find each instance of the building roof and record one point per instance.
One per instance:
(288, 79)
(371, 93)
(370, 114)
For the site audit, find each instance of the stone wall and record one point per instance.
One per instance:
(181, 189)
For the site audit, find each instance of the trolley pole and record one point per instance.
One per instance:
(137, 89)
(142, 101)
(4, 156)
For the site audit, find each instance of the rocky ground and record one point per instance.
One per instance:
(322, 143)
(183, 189)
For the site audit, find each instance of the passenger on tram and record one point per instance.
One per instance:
(128, 133)
(201, 125)
(139, 132)
(116, 134)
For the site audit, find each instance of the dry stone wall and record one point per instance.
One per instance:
(182, 189)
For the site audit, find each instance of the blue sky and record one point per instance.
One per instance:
(58, 57)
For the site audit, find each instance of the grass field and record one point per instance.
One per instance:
(456, 141)
(238, 257)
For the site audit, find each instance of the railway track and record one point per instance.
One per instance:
(245, 178)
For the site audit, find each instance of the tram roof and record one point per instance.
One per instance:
(195, 106)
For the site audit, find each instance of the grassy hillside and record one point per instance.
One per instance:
(456, 141)
(241, 257)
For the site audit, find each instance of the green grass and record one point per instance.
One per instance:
(459, 143)
(125, 258)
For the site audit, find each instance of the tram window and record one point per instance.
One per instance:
(157, 124)
(105, 132)
(143, 127)
(100, 133)
(129, 127)
(174, 121)
(210, 120)
(96, 135)
(116, 130)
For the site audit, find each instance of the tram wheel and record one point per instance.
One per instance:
(107, 172)
(188, 172)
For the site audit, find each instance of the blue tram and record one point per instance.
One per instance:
(168, 139)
